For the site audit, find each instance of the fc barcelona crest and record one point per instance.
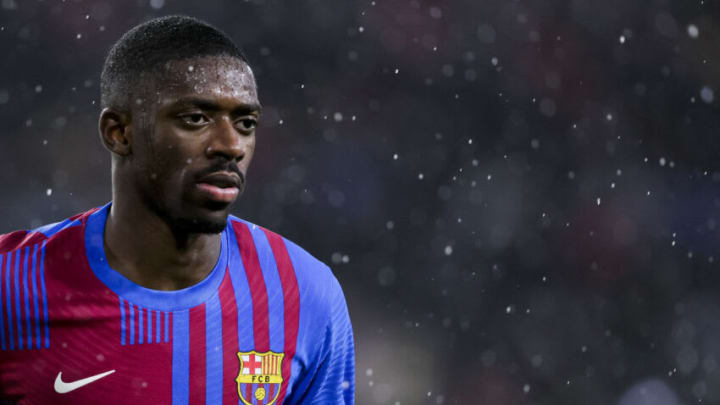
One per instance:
(260, 377)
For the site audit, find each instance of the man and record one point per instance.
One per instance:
(162, 297)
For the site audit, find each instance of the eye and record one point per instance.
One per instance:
(246, 124)
(194, 119)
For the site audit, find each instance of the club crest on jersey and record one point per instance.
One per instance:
(260, 377)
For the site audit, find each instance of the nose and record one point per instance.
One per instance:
(227, 142)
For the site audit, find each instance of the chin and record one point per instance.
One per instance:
(207, 220)
(200, 225)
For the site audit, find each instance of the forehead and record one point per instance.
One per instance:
(212, 77)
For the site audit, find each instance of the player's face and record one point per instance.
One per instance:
(199, 139)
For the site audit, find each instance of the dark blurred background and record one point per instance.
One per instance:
(519, 197)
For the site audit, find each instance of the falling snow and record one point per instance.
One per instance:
(519, 204)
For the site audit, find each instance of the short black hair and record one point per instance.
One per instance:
(150, 45)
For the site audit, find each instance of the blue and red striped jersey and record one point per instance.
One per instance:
(269, 324)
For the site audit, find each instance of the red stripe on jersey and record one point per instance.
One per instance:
(291, 300)
(198, 355)
(136, 324)
(271, 392)
(258, 291)
(231, 364)
(126, 304)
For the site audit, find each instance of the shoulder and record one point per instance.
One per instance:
(313, 277)
(19, 239)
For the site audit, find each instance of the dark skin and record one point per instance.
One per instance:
(180, 153)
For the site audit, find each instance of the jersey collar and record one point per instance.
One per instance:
(139, 295)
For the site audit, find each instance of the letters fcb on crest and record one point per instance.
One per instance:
(260, 377)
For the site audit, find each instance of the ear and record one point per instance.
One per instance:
(115, 131)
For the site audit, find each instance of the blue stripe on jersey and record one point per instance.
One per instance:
(26, 294)
(149, 325)
(167, 325)
(140, 325)
(2, 320)
(141, 296)
(276, 310)
(181, 358)
(17, 299)
(132, 322)
(214, 349)
(51, 229)
(157, 326)
(246, 339)
(36, 306)
(122, 321)
(44, 294)
(8, 298)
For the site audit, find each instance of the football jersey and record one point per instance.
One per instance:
(268, 325)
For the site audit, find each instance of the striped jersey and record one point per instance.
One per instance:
(269, 324)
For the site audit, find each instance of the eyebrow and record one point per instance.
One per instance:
(209, 105)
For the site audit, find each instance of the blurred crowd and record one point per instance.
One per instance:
(519, 197)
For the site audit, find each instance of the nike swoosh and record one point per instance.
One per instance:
(63, 387)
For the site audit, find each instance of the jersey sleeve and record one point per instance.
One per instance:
(333, 381)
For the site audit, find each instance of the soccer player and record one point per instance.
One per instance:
(161, 296)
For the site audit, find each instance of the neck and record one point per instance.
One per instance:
(141, 246)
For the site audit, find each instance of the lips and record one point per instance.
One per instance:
(222, 187)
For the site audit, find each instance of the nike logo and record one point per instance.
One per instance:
(62, 387)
